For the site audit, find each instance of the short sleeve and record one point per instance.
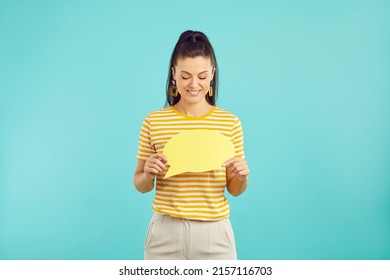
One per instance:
(238, 139)
(145, 147)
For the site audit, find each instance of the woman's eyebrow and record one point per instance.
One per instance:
(190, 73)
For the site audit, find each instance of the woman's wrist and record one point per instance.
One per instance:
(150, 176)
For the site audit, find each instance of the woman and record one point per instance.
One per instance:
(191, 219)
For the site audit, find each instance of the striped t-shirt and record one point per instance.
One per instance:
(198, 196)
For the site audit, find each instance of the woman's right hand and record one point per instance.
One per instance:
(155, 164)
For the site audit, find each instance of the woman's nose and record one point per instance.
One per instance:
(194, 82)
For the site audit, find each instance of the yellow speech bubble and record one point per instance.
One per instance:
(197, 151)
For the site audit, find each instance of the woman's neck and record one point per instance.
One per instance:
(193, 110)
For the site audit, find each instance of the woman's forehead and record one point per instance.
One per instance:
(193, 64)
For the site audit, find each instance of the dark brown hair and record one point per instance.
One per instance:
(192, 44)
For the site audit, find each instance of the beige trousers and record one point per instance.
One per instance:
(170, 238)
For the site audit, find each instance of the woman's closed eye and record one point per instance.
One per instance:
(186, 78)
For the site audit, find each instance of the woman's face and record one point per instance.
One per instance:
(193, 76)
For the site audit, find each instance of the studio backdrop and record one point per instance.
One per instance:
(308, 79)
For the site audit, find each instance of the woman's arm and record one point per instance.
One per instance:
(146, 170)
(143, 182)
(237, 172)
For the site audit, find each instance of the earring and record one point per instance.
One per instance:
(211, 88)
(173, 89)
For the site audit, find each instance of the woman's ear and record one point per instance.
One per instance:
(212, 74)
(173, 73)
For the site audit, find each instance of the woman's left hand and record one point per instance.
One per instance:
(238, 167)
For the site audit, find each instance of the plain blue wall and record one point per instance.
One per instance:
(309, 80)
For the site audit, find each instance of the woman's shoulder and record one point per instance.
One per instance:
(225, 113)
(164, 112)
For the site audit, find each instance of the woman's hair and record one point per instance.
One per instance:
(192, 44)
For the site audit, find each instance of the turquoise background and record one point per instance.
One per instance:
(308, 79)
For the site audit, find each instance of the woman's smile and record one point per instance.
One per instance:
(193, 92)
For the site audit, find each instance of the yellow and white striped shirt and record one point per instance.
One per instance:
(198, 196)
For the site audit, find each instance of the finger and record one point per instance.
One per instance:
(241, 169)
(232, 169)
(151, 170)
(159, 166)
(236, 164)
(238, 161)
(162, 157)
(158, 162)
(231, 161)
(154, 163)
(243, 172)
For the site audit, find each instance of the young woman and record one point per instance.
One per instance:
(191, 219)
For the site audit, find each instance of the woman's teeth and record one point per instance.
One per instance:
(193, 92)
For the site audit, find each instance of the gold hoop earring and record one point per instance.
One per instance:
(173, 89)
(211, 91)
(211, 88)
